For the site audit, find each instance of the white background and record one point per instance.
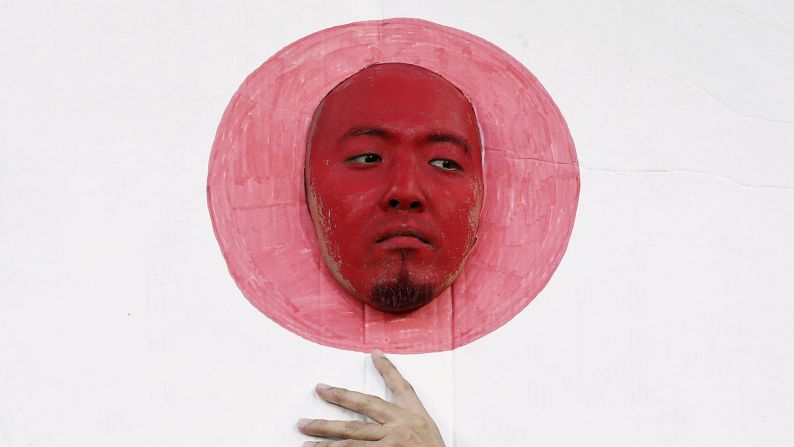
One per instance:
(669, 323)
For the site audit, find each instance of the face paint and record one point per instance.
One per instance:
(394, 184)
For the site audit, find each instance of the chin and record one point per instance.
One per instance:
(401, 295)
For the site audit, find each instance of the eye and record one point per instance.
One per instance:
(365, 159)
(445, 164)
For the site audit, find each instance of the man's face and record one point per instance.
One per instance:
(394, 184)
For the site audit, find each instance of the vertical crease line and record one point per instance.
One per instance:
(452, 344)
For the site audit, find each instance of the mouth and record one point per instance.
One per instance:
(403, 233)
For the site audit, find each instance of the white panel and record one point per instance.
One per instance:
(668, 322)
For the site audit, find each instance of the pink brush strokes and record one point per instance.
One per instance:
(258, 208)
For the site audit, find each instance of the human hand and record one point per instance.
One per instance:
(404, 423)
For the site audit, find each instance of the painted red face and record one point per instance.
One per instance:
(394, 184)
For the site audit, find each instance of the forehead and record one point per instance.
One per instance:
(402, 96)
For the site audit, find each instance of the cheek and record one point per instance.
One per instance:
(460, 208)
(458, 235)
(344, 206)
(460, 220)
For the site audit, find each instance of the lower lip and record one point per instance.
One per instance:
(402, 242)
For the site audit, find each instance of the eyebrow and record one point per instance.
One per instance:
(366, 131)
(433, 137)
(449, 138)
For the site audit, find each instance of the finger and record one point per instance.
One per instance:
(342, 443)
(373, 407)
(342, 429)
(404, 394)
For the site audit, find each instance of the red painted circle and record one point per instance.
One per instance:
(258, 208)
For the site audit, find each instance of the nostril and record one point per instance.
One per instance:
(394, 203)
(414, 204)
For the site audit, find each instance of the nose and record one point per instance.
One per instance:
(404, 192)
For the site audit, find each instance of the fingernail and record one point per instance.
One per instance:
(379, 353)
(309, 444)
(303, 422)
(322, 386)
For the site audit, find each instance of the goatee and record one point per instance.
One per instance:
(400, 295)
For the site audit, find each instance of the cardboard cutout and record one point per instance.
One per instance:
(261, 220)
